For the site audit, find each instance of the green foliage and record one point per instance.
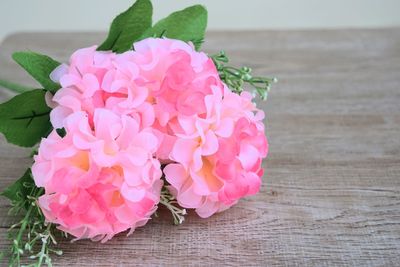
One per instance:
(14, 87)
(31, 232)
(128, 26)
(20, 190)
(187, 25)
(39, 67)
(24, 119)
(135, 24)
(235, 78)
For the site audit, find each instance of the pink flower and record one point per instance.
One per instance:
(158, 80)
(98, 182)
(218, 156)
(177, 76)
(95, 79)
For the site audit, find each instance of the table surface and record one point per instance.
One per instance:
(331, 190)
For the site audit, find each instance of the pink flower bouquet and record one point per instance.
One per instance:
(143, 120)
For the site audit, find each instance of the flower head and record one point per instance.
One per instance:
(98, 182)
(161, 75)
(218, 157)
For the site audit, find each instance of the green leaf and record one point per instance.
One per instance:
(187, 25)
(128, 26)
(14, 87)
(24, 119)
(20, 189)
(39, 67)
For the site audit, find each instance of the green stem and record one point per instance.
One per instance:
(18, 240)
(235, 78)
(44, 245)
(24, 224)
(177, 213)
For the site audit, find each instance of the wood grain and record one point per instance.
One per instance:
(331, 192)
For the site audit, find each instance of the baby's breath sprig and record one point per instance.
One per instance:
(32, 238)
(235, 78)
(170, 203)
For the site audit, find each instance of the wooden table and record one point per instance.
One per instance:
(331, 192)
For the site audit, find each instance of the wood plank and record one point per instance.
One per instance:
(331, 193)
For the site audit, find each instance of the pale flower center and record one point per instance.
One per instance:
(81, 160)
(213, 182)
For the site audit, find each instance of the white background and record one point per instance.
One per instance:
(95, 15)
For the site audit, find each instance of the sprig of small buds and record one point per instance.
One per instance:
(235, 78)
(33, 226)
(172, 205)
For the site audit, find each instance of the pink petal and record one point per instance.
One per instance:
(107, 124)
(129, 127)
(125, 215)
(197, 160)
(146, 140)
(183, 150)
(90, 84)
(93, 215)
(81, 202)
(225, 128)
(132, 193)
(210, 145)
(189, 199)
(248, 156)
(207, 209)
(254, 182)
(187, 124)
(57, 116)
(176, 175)
(58, 72)
(69, 80)
(166, 144)
(147, 114)
(132, 176)
(108, 80)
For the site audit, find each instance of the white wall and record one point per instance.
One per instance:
(83, 15)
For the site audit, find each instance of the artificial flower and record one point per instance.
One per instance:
(98, 182)
(218, 156)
